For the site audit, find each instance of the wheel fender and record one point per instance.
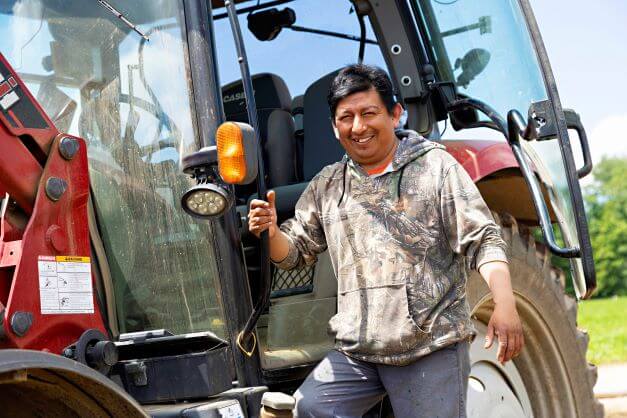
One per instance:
(36, 383)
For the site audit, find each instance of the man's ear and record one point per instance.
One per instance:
(397, 112)
(335, 130)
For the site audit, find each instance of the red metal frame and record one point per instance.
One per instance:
(54, 227)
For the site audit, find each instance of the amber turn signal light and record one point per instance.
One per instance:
(237, 153)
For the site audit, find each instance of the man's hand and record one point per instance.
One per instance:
(262, 216)
(505, 325)
(504, 322)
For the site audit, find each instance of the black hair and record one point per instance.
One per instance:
(357, 78)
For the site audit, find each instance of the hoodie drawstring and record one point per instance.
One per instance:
(343, 183)
(398, 186)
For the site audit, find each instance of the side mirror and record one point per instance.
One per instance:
(464, 118)
(267, 24)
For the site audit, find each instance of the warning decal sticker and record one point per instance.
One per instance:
(65, 285)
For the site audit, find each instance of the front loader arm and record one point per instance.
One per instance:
(46, 286)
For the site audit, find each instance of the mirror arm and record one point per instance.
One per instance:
(517, 128)
(497, 123)
(362, 39)
(573, 121)
(246, 340)
(330, 33)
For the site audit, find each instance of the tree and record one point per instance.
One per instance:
(606, 207)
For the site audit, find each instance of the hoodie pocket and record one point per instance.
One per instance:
(375, 320)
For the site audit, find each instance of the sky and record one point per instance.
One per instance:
(586, 44)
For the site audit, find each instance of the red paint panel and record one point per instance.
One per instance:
(10, 253)
(19, 170)
(4, 88)
(43, 137)
(23, 177)
(54, 331)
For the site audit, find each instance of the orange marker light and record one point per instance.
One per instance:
(231, 153)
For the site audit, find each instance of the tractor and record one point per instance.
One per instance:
(134, 134)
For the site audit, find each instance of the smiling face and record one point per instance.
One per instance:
(365, 128)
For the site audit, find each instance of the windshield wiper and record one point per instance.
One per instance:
(122, 18)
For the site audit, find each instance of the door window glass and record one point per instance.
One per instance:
(130, 100)
(486, 49)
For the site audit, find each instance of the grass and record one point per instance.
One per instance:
(606, 323)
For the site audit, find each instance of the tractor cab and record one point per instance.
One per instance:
(147, 84)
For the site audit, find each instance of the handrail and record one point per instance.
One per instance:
(513, 129)
(516, 129)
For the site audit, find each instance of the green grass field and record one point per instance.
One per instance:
(606, 323)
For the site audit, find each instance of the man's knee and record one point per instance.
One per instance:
(308, 406)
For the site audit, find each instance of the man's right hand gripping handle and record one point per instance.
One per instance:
(261, 217)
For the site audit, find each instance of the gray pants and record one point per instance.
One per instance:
(343, 387)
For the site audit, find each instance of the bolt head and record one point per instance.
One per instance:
(55, 187)
(21, 323)
(68, 147)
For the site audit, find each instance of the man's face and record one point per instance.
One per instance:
(365, 128)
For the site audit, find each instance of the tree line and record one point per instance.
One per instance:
(606, 209)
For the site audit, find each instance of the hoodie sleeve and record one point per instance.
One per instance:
(468, 223)
(304, 232)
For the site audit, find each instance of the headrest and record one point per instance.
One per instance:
(271, 92)
(298, 104)
(321, 147)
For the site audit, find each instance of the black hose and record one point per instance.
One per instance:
(362, 39)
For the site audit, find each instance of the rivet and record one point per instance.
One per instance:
(56, 238)
(55, 187)
(68, 147)
(21, 323)
(406, 80)
(396, 49)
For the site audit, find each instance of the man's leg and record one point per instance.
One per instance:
(339, 387)
(433, 386)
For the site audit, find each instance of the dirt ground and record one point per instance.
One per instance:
(611, 389)
(615, 407)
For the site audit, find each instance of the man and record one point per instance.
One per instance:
(403, 222)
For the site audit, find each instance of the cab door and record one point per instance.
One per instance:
(493, 51)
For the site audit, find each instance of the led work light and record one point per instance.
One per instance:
(233, 160)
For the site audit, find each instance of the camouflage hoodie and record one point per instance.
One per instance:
(401, 244)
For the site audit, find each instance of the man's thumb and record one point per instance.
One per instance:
(489, 336)
(271, 198)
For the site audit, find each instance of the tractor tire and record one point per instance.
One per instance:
(550, 378)
(40, 384)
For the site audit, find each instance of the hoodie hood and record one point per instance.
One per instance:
(411, 146)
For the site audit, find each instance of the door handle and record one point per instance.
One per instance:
(573, 121)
